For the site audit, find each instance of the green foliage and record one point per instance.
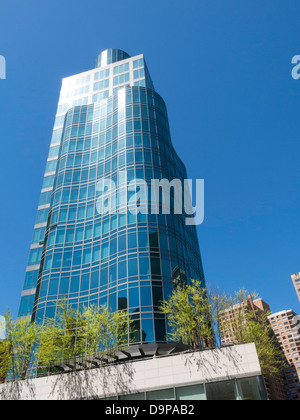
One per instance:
(188, 314)
(19, 347)
(250, 325)
(76, 335)
(196, 317)
(63, 338)
(257, 329)
(4, 359)
(218, 303)
(73, 337)
(222, 303)
(106, 331)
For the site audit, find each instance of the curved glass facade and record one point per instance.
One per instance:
(110, 56)
(124, 260)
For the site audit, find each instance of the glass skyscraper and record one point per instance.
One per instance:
(110, 122)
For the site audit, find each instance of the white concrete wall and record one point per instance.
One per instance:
(144, 375)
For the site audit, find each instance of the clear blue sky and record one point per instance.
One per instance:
(224, 70)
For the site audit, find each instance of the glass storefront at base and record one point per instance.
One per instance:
(242, 389)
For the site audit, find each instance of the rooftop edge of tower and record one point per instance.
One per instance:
(110, 56)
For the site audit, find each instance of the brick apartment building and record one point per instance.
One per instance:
(296, 283)
(274, 387)
(285, 328)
